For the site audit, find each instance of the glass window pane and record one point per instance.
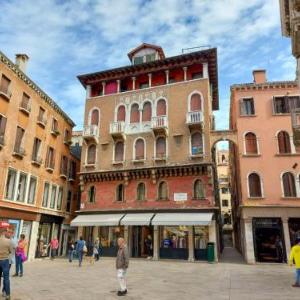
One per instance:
(53, 197)
(21, 187)
(46, 194)
(59, 198)
(32, 189)
(10, 184)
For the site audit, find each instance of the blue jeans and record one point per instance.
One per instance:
(70, 255)
(19, 264)
(4, 265)
(80, 256)
(297, 276)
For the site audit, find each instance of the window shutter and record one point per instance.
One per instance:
(19, 137)
(161, 109)
(195, 102)
(284, 144)
(147, 112)
(242, 107)
(121, 114)
(2, 125)
(289, 187)
(160, 147)
(25, 100)
(139, 149)
(134, 114)
(251, 143)
(162, 191)
(91, 159)
(119, 151)
(254, 185)
(4, 84)
(95, 117)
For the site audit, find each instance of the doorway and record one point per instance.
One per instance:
(139, 237)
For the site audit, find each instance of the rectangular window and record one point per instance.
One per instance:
(138, 60)
(53, 196)
(281, 105)
(64, 165)
(32, 190)
(10, 184)
(144, 85)
(19, 140)
(25, 102)
(4, 85)
(46, 194)
(197, 75)
(36, 149)
(22, 187)
(59, 198)
(72, 170)
(50, 158)
(247, 107)
(54, 126)
(42, 116)
(69, 199)
(67, 136)
(225, 203)
(150, 57)
(2, 129)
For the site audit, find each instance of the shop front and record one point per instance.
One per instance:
(268, 240)
(201, 239)
(294, 229)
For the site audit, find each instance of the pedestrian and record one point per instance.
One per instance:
(54, 244)
(122, 263)
(20, 256)
(97, 249)
(71, 249)
(149, 246)
(6, 248)
(80, 249)
(295, 258)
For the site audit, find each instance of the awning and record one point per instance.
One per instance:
(97, 220)
(188, 219)
(137, 219)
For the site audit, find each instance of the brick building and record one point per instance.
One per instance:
(146, 168)
(38, 182)
(265, 168)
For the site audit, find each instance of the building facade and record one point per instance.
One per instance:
(38, 182)
(223, 171)
(265, 169)
(146, 170)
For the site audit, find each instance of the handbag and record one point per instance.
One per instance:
(84, 249)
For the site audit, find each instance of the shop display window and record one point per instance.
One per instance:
(201, 237)
(44, 239)
(109, 235)
(174, 237)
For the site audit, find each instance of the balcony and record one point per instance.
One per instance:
(19, 152)
(37, 161)
(25, 108)
(117, 130)
(194, 119)
(2, 143)
(55, 132)
(5, 94)
(159, 125)
(91, 133)
(42, 121)
(296, 126)
(63, 174)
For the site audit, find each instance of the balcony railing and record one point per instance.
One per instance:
(90, 131)
(194, 117)
(6, 94)
(25, 107)
(117, 128)
(159, 122)
(41, 120)
(19, 151)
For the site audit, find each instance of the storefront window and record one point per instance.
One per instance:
(201, 237)
(109, 235)
(294, 228)
(44, 239)
(53, 196)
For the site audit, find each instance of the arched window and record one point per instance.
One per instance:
(147, 112)
(95, 117)
(199, 189)
(161, 150)
(254, 185)
(135, 114)
(139, 149)
(121, 114)
(284, 144)
(119, 151)
(197, 143)
(91, 195)
(141, 191)
(161, 108)
(91, 155)
(120, 193)
(251, 143)
(195, 104)
(289, 187)
(162, 191)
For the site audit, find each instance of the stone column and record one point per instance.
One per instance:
(150, 79)
(79, 232)
(103, 87)
(191, 244)
(213, 237)
(155, 243)
(184, 73)
(33, 240)
(133, 83)
(95, 232)
(126, 234)
(88, 91)
(118, 85)
(205, 70)
(287, 238)
(248, 241)
(167, 76)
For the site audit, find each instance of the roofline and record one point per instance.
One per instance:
(4, 59)
(268, 83)
(145, 45)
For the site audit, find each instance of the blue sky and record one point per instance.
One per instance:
(72, 37)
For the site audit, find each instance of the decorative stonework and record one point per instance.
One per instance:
(264, 86)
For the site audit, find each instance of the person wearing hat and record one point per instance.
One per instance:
(6, 248)
(295, 258)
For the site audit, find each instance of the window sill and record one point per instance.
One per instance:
(163, 200)
(287, 154)
(116, 163)
(192, 156)
(256, 198)
(199, 199)
(248, 116)
(281, 114)
(5, 96)
(49, 169)
(290, 198)
(138, 161)
(251, 155)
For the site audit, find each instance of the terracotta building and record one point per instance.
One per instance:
(265, 163)
(38, 182)
(146, 170)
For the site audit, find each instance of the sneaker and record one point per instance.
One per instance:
(21, 275)
(120, 293)
(15, 275)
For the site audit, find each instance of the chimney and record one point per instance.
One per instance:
(21, 61)
(259, 76)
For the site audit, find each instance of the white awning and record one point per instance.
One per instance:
(137, 219)
(97, 220)
(188, 219)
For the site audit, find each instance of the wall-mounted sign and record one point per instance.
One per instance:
(180, 196)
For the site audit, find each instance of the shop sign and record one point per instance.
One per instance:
(180, 196)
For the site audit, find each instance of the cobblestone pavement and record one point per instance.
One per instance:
(163, 280)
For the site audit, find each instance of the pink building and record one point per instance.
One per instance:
(266, 170)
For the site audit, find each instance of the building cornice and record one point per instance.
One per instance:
(6, 61)
(264, 86)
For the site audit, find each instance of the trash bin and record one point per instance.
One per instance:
(211, 252)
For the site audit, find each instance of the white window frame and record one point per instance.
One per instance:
(86, 155)
(241, 100)
(167, 146)
(295, 182)
(292, 145)
(190, 142)
(90, 116)
(155, 106)
(190, 98)
(257, 144)
(145, 149)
